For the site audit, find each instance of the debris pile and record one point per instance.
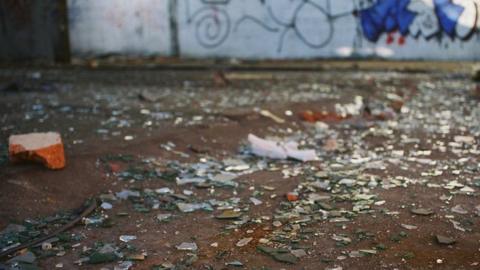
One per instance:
(365, 176)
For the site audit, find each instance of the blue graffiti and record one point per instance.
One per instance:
(448, 14)
(386, 16)
(393, 15)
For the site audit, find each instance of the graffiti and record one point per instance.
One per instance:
(433, 17)
(427, 18)
(212, 23)
(425, 23)
(386, 16)
(298, 25)
(313, 22)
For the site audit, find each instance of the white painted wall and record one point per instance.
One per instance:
(133, 27)
(278, 29)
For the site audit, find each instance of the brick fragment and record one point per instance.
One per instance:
(292, 196)
(46, 148)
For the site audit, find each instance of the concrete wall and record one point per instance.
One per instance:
(133, 27)
(258, 29)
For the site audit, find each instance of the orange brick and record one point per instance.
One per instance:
(292, 196)
(46, 148)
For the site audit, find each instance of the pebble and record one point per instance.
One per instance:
(422, 211)
(243, 242)
(229, 214)
(459, 209)
(299, 253)
(106, 206)
(444, 240)
(187, 246)
(277, 223)
(127, 238)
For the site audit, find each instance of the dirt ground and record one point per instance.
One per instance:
(410, 139)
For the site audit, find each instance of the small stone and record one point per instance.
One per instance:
(347, 182)
(187, 192)
(378, 203)
(299, 253)
(268, 188)
(325, 206)
(285, 258)
(235, 264)
(46, 148)
(255, 201)
(444, 240)
(263, 241)
(164, 190)
(265, 249)
(372, 184)
(126, 265)
(422, 211)
(126, 193)
(277, 223)
(107, 248)
(191, 207)
(187, 246)
(163, 217)
(127, 238)
(464, 139)
(459, 209)
(136, 257)
(168, 265)
(106, 206)
(280, 255)
(229, 214)
(46, 246)
(467, 189)
(243, 242)
(409, 227)
(368, 251)
(334, 268)
(457, 225)
(323, 185)
(190, 180)
(314, 197)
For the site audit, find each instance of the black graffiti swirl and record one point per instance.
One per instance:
(284, 25)
(212, 26)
